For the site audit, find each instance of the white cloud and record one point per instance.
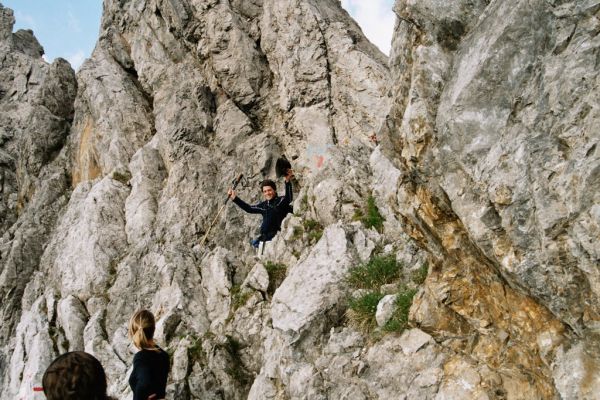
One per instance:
(73, 22)
(76, 59)
(375, 18)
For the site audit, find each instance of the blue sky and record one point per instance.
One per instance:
(69, 28)
(375, 18)
(65, 28)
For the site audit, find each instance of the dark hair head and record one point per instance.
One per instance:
(73, 376)
(268, 182)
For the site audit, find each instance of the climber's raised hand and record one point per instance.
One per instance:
(289, 175)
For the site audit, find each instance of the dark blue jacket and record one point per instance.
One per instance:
(273, 211)
(149, 375)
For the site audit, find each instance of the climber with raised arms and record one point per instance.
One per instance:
(273, 209)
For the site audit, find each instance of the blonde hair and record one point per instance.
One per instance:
(141, 330)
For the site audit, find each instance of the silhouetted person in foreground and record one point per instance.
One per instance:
(75, 376)
(148, 379)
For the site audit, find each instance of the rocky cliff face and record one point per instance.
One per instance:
(36, 112)
(497, 167)
(486, 169)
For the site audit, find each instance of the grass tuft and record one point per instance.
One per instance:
(315, 236)
(195, 351)
(236, 368)
(297, 233)
(277, 273)
(304, 203)
(361, 312)
(239, 297)
(312, 228)
(399, 320)
(372, 217)
(378, 271)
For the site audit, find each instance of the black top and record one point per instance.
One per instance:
(149, 375)
(273, 211)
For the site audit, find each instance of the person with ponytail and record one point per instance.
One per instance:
(148, 378)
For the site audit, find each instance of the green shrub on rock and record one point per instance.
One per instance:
(361, 312)
(378, 271)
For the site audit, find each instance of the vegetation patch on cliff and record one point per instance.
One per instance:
(399, 320)
(276, 273)
(370, 280)
(378, 271)
(369, 215)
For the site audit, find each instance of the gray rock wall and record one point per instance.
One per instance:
(36, 112)
(495, 155)
(485, 167)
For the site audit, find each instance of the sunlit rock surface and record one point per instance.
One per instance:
(477, 139)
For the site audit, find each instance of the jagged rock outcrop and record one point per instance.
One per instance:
(496, 173)
(36, 111)
(476, 142)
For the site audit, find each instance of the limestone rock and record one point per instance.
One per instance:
(385, 309)
(414, 376)
(34, 188)
(545, 202)
(25, 42)
(73, 317)
(7, 20)
(257, 279)
(475, 182)
(485, 169)
(216, 286)
(32, 351)
(316, 280)
(147, 172)
(365, 242)
(414, 339)
(575, 370)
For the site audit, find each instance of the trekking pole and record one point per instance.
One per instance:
(235, 183)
